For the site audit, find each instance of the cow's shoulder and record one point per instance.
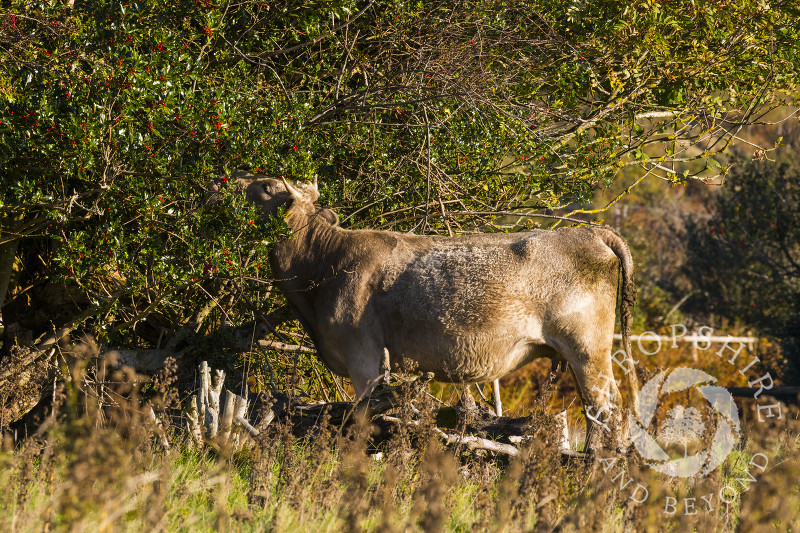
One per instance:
(372, 245)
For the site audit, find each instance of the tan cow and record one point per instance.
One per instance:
(470, 308)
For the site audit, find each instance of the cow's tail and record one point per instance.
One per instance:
(627, 292)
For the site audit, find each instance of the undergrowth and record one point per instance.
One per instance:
(97, 465)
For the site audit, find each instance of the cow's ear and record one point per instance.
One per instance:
(329, 216)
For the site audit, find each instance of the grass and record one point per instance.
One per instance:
(266, 490)
(103, 469)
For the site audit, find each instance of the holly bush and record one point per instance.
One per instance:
(120, 122)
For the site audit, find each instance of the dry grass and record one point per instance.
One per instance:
(100, 467)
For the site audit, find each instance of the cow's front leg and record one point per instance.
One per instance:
(364, 369)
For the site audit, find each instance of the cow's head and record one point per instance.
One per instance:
(271, 194)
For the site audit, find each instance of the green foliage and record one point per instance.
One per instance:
(745, 258)
(119, 120)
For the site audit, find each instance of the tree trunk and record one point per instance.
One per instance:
(8, 250)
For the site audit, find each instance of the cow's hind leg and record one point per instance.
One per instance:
(600, 395)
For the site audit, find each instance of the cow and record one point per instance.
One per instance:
(470, 308)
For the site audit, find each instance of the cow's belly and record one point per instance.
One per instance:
(474, 357)
(492, 349)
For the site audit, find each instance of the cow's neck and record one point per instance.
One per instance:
(313, 238)
(309, 227)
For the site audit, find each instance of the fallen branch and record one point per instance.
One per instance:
(247, 426)
(470, 441)
(477, 443)
(789, 395)
(283, 347)
(384, 398)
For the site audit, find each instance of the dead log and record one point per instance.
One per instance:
(473, 442)
(384, 398)
(26, 381)
(480, 428)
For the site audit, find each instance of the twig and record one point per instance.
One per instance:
(159, 427)
(498, 405)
